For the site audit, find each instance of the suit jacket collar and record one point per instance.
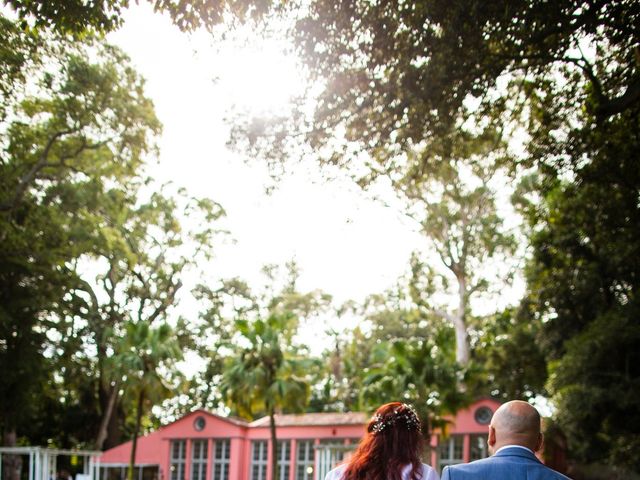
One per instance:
(517, 452)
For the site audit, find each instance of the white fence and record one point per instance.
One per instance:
(43, 462)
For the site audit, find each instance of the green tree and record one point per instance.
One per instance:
(79, 18)
(583, 279)
(224, 301)
(419, 372)
(145, 356)
(458, 215)
(397, 78)
(265, 373)
(146, 251)
(87, 119)
(509, 360)
(20, 56)
(88, 241)
(398, 352)
(396, 74)
(75, 116)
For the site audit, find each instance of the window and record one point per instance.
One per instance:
(336, 448)
(178, 448)
(199, 423)
(221, 459)
(113, 473)
(199, 459)
(283, 454)
(305, 460)
(479, 447)
(147, 472)
(258, 460)
(451, 451)
(483, 415)
(330, 452)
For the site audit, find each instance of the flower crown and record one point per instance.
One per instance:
(407, 415)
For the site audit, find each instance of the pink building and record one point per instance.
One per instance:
(465, 438)
(205, 446)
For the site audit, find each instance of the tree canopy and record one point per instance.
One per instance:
(402, 84)
(78, 17)
(437, 100)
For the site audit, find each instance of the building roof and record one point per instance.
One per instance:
(313, 419)
(234, 420)
(149, 453)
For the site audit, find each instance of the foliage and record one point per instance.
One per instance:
(399, 352)
(145, 251)
(88, 246)
(584, 279)
(594, 386)
(508, 360)
(19, 55)
(222, 303)
(77, 116)
(267, 374)
(419, 372)
(401, 83)
(397, 76)
(457, 210)
(79, 17)
(142, 355)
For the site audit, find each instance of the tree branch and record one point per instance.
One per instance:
(28, 178)
(167, 302)
(619, 104)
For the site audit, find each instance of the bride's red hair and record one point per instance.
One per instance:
(393, 441)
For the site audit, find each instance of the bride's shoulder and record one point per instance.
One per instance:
(428, 473)
(336, 473)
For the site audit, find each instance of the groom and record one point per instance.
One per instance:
(514, 436)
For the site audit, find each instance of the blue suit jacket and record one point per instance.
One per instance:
(508, 464)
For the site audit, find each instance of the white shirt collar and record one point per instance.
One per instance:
(513, 446)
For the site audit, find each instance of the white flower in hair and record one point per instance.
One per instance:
(404, 413)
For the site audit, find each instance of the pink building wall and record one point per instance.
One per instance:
(154, 449)
(466, 424)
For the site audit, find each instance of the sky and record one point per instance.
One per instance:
(345, 243)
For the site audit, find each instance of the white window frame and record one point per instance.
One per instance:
(200, 448)
(308, 459)
(449, 447)
(283, 465)
(223, 460)
(259, 464)
(178, 463)
(472, 442)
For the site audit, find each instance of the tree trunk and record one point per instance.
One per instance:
(136, 431)
(460, 326)
(106, 416)
(274, 444)
(11, 464)
(462, 340)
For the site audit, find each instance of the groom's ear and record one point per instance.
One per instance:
(492, 436)
(539, 443)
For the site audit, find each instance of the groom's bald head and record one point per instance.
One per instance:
(515, 423)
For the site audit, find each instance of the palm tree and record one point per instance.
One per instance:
(415, 370)
(143, 352)
(265, 373)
